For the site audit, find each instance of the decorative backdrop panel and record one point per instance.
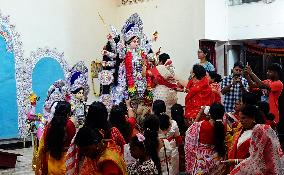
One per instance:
(17, 71)
(8, 96)
(45, 73)
(14, 46)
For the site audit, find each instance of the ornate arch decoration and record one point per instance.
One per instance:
(42, 53)
(14, 44)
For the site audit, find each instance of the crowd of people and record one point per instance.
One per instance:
(226, 127)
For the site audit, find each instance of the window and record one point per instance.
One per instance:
(239, 2)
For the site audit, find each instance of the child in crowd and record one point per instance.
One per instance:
(170, 136)
(177, 114)
(214, 80)
(143, 164)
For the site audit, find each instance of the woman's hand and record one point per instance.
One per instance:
(201, 111)
(109, 37)
(104, 52)
(127, 102)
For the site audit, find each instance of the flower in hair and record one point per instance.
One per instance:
(140, 137)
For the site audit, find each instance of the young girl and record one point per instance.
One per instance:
(177, 114)
(170, 137)
(214, 80)
(169, 154)
(143, 164)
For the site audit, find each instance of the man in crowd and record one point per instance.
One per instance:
(272, 87)
(233, 86)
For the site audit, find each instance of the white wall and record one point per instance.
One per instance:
(180, 25)
(232, 58)
(216, 20)
(71, 26)
(256, 20)
(74, 27)
(220, 57)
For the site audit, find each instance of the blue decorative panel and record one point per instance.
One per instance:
(8, 97)
(45, 73)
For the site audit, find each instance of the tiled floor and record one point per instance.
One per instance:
(24, 163)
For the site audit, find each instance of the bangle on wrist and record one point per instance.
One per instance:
(236, 161)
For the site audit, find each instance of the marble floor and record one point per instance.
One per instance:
(24, 163)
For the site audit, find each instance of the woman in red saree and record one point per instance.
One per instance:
(199, 92)
(204, 143)
(102, 157)
(55, 142)
(242, 139)
(265, 154)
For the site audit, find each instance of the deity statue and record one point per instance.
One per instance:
(136, 64)
(110, 65)
(79, 88)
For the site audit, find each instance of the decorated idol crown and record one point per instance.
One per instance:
(78, 78)
(56, 92)
(132, 27)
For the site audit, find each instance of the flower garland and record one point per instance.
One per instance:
(130, 79)
(148, 95)
(254, 48)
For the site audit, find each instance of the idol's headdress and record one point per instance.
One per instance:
(78, 78)
(132, 27)
(56, 92)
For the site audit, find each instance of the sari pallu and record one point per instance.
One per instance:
(164, 90)
(241, 151)
(200, 158)
(265, 154)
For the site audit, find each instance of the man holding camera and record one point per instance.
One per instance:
(233, 86)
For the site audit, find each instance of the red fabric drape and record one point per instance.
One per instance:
(210, 45)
